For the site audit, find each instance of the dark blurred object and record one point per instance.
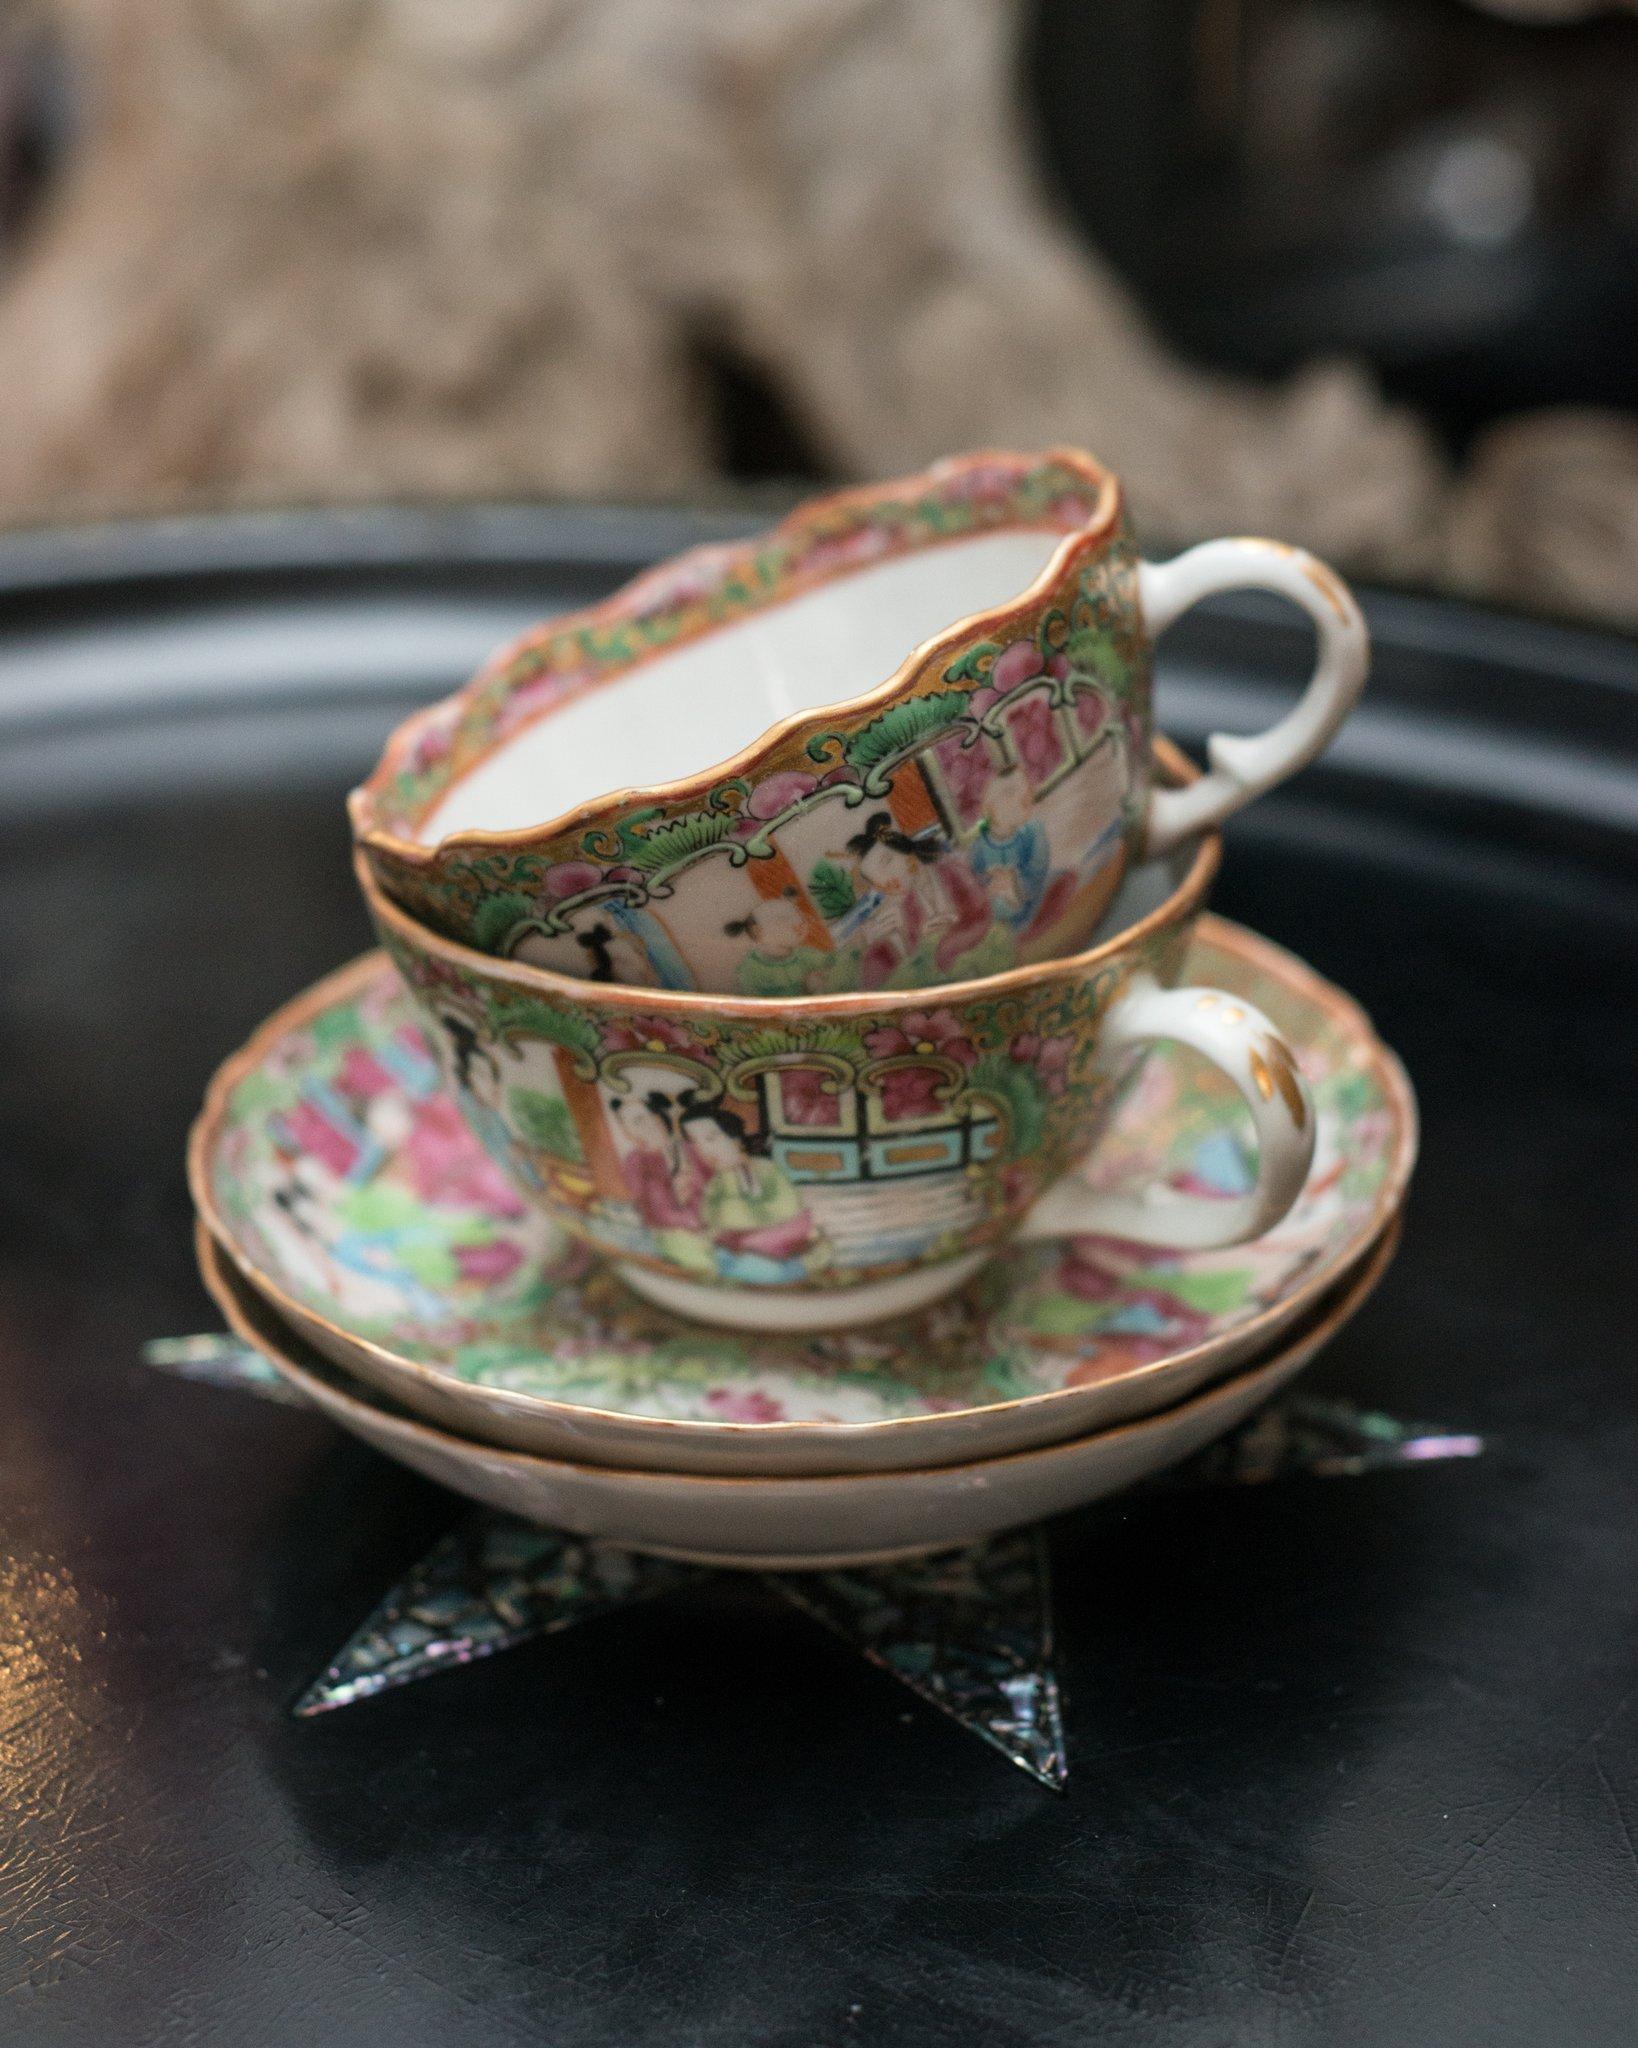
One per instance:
(1446, 194)
(33, 117)
(396, 248)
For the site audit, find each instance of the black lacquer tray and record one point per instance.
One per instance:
(1352, 1763)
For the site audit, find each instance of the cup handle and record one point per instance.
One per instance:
(1244, 765)
(1241, 1043)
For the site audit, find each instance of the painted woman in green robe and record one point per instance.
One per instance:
(758, 1222)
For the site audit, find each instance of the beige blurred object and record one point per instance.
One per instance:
(341, 248)
(1548, 507)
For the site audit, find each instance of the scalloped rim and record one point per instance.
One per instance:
(1184, 899)
(1263, 955)
(1353, 1290)
(364, 804)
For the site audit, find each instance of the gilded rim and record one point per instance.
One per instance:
(362, 803)
(1258, 953)
(1352, 1294)
(1182, 902)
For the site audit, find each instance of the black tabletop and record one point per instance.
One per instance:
(1352, 1760)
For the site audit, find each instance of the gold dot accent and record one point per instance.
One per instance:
(1263, 1078)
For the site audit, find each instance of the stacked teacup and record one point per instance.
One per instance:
(803, 1058)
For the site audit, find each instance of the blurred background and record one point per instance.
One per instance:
(1361, 273)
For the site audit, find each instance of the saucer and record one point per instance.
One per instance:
(790, 1523)
(339, 1178)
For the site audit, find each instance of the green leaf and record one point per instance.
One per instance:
(666, 845)
(1015, 1089)
(1061, 1315)
(842, 1039)
(628, 830)
(899, 729)
(1210, 1294)
(532, 1018)
(1091, 652)
(970, 668)
(494, 918)
(545, 1121)
(832, 889)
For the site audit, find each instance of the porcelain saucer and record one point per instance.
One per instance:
(791, 1522)
(340, 1180)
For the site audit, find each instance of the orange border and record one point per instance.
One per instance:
(363, 804)
(1261, 954)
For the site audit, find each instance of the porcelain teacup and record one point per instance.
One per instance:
(950, 676)
(815, 1163)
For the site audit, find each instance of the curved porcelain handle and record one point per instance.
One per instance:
(1244, 765)
(1240, 1041)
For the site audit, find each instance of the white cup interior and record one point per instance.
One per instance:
(680, 713)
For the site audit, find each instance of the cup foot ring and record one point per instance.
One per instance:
(801, 1308)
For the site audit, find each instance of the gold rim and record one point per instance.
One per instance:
(1351, 1295)
(1260, 954)
(1185, 897)
(1094, 533)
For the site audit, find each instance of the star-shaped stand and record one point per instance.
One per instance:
(969, 1631)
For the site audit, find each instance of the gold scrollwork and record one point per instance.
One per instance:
(706, 1084)
(732, 795)
(837, 1072)
(970, 1100)
(827, 750)
(951, 1075)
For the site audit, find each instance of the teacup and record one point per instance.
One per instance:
(904, 819)
(824, 1162)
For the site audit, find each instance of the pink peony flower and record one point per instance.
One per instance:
(647, 1034)
(845, 550)
(433, 744)
(420, 970)
(1048, 1056)
(980, 483)
(682, 582)
(909, 1092)
(495, 1260)
(1014, 665)
(523, 702)
(569, 878)
(924, 1031)
(1071, 508)
(806, 1099)
(775, 793)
